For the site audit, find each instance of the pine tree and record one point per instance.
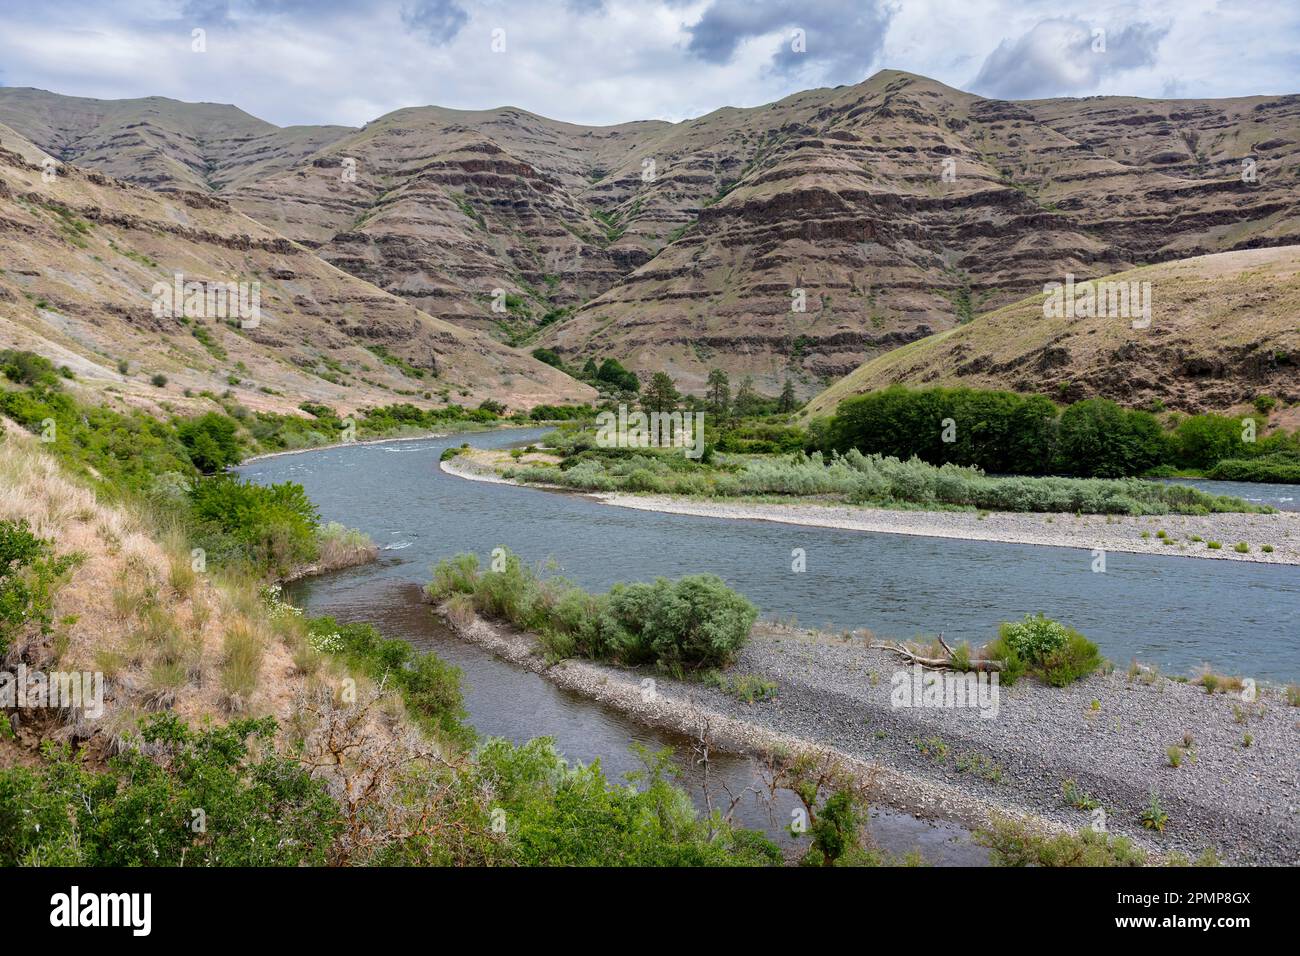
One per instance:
(787, 402)
(661, 394)
(718, 393)
(746, 397)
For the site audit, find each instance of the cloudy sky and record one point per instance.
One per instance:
(607, 61)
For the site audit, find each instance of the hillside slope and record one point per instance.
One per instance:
(79, 259)
(159, 142)
(900, 207)
(1224, 329)
(845, 200)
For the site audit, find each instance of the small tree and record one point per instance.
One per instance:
(613, 372)
(718, 393)
(661, 394)
(786, 404)
(746, 397)
(210, 441)
(835, 802)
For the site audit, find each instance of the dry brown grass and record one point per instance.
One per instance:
(343, 547)
(204, 648)
(460, 611)
(242, 650)
(154, 627)
(1224, 309)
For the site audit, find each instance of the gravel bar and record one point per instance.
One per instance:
(1280, 531)
(833, 693)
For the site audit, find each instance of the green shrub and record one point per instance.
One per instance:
(28, 368)
(29, 576)
(1035, 637)
(210, 442)
(259, 808)
(430, 687)
(1282, 469)
(1012, 843)
(746, 688)
(559, 814)
(1075, 659)
(1154, 817)
(458, 575)
(1056, 654)
(695, 622)
(271, 527)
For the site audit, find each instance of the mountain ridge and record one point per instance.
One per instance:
(679, 246)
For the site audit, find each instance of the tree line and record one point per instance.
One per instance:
(1009, 433)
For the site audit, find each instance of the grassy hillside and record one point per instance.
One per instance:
(1224, 329)
(81, 254)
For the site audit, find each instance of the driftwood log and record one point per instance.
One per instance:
(939, 663)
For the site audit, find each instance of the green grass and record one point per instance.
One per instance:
(861, 479)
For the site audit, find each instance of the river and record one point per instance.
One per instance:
(1174, 612)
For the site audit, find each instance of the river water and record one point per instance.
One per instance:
(1281, 497)
(1174, 612)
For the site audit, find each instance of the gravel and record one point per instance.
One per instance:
(1242, 801)
(1281, 530)
(833, 694)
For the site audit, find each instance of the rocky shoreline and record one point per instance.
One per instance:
(1122, 533)
(1108, 734)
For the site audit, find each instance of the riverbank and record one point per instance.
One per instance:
(679, 712)
(1109, 734)
(344, 444)
(1183, 535)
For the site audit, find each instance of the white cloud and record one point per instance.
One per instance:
(1063, 56)
(339, 61)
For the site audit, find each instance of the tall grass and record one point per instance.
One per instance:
(877, 480)
(241, 663)
(341, 546)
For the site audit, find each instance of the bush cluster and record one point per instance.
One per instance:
(866, 479)
(1280, 468)
(260, 809)
(1056, 654)
(429, 685)
(692, 623)
(29, 575)
(272, 527)
(263, 808)
(1010, 433)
